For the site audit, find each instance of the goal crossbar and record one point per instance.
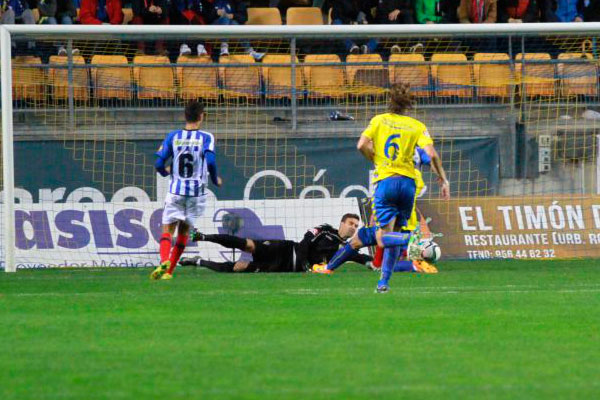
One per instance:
(295, 31)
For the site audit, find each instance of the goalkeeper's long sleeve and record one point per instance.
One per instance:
(211, 165)
(302, 251)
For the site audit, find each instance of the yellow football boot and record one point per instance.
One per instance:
(160, 270)
(321, 269)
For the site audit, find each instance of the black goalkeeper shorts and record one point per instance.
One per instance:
(273, 256)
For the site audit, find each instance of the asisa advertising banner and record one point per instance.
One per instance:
(127, 234)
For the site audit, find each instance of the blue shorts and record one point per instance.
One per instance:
(394, 198)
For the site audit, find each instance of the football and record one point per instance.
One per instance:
(431, 251)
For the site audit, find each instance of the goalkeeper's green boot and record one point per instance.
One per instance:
(196, 235)
(413, 250)
(416, 241)
(160, 270)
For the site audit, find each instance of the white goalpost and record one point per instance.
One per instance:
(8, 206)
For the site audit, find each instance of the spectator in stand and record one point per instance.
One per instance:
(191, 12)
(396, 12)
(98, 12)
(289, 3)
(346, 12)
(16, 11)
(562, 11)
(590, 10)
(477, 12)
(517, 11)
(436, 11)
(233, 12)
(58, 12)
(150, 12)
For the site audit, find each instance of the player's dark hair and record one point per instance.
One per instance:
(400, 98)
(350, 215)
(193, 111)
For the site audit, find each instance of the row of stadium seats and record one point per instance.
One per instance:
(446, 75)
(294, 16)
(256, 16)
(269, 16)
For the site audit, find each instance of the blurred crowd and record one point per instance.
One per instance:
(235, 12)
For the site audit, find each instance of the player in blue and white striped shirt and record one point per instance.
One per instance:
(192, 155)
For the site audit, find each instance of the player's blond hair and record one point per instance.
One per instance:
(400, 98)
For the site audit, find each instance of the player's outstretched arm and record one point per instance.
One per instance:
(164, 154)
(365, 146)
(303, 247)
(211, 164)
(438, 169)
(161, 168)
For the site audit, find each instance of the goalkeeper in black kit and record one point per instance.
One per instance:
(318, 246)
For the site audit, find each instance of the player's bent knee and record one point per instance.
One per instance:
(356, 243)
(169, 228)
(184, 228)
(379, 235)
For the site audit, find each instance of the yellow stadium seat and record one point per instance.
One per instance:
(263, 16)
(366, 79)
(111, 82)
(278, 80)
(578, 78)
(59, 79)
(154, 82)
(417, 76)
(538, 79)
(304, 16)
(452, 79)
(240, 81)
(28, 83)
(324, 81)
(351, 70)
(493, 80)
(197, 82)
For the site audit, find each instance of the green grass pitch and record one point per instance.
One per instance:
(501, 330)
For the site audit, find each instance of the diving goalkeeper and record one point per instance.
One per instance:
(318, 246)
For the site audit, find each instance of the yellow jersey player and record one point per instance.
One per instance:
(366, 236)
(389, 142)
